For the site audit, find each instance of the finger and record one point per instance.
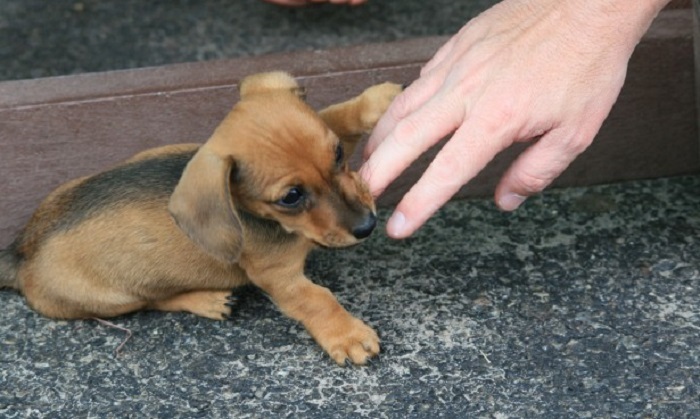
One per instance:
(407, 102)
(538, 166)
(463, 157)
(411, 137)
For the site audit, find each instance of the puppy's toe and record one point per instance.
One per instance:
(358, 345)
(231, 308)
(209, 304)
(219, 306)
(376, 100)
(236, 299)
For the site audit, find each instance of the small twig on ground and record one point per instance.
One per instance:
(115, 326)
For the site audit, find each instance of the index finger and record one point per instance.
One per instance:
(407, 102)
(469, 150)
(410, 137)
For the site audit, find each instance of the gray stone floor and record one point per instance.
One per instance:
(40, 38)
(583, 303)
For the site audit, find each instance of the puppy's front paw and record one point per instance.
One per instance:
(375, 101)
(351, 341)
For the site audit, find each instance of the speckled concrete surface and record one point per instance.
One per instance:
(584, 303)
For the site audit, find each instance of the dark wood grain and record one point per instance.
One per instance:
(680, 4)
(696, 44)
(55, 129)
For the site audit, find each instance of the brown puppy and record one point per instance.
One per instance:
(177, 227)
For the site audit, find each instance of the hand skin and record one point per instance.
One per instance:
(545, 71)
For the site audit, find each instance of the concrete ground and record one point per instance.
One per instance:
(583, 303)
(40, 38)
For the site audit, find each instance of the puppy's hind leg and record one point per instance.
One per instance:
(57, 298)
(212, 304)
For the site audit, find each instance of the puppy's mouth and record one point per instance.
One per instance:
(336, 246)
(358, 232)
(341, 243)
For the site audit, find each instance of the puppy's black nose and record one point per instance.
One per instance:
(365, 229)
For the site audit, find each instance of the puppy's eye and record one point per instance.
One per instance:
(293, 199)
(339, 154)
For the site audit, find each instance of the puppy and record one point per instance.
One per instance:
(176, 228)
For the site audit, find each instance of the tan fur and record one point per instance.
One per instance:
(90, 252)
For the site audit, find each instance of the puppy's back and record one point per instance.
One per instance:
(149, 176)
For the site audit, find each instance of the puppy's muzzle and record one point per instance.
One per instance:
(365, 228)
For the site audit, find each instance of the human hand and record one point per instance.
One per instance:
(548, 70)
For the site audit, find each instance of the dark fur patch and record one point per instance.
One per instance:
(143, 180)
(10, 260)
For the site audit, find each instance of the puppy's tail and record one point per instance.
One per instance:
(9, 266)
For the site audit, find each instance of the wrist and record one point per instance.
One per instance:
(619, 22)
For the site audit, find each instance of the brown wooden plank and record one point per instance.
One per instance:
(55, 129)
(680, 4)
(696, 44)
(213, 75)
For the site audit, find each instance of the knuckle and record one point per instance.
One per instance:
(538, 174)
(498, 118)
(447, 169)
(578, 144)
(401, 106)
(532, 183)
(408, 132)
(574, 140)
(505, 113)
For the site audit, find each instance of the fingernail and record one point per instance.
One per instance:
(511, 201)
(396, 225)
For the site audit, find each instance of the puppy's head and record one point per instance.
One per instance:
(275, 158)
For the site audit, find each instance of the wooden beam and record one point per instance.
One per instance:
(679, 4)
(59, 128)
(55, 129)
(696, 45)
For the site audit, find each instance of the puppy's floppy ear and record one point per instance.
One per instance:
(269, 82)
(202, 205)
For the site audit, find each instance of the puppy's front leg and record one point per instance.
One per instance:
(341, 335)
(357, 116)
